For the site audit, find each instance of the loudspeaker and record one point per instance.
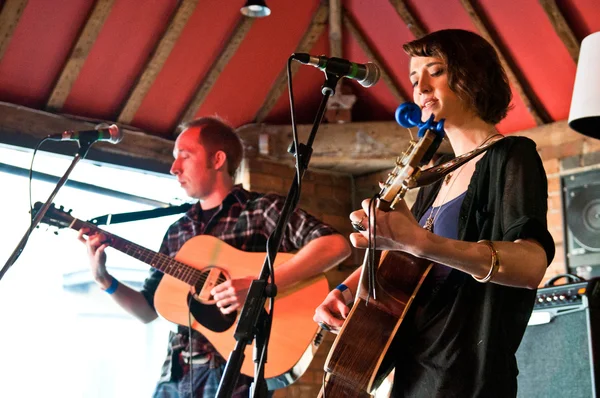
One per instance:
(581, 216)
(561, 346)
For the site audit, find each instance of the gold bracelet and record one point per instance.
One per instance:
(495, 263)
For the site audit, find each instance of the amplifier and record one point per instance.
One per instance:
(561, 346)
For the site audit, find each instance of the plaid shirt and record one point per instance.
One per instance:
(245, 221)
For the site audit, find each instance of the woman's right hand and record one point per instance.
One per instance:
(95, 244)
(332, 312)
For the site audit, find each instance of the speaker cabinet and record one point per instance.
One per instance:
(559, 354)
(581, 213)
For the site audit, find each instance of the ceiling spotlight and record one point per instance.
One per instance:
(255, 9)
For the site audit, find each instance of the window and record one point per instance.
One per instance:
(60, 335)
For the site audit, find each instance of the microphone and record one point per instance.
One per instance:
(365, 74)
(103, 132)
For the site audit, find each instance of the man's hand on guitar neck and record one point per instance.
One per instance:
(129, 299)
(96, 244)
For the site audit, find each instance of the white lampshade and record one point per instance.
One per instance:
(584, 116)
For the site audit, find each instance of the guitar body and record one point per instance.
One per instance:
(293, 329)
(355, 366)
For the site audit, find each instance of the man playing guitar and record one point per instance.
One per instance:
(207, 154)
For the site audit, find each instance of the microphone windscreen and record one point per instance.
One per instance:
(372, 75)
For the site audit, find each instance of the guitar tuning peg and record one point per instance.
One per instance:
(69, 211)
(62, 207)
(55, 233)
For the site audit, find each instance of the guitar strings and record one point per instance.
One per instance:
(189, 274)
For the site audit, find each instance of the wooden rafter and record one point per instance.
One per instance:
(335, 28)
(562, 28)
(236, 38)
(21, 124)
(386, 75)
(157, 59)
(355, 148)
(9, 18)
(314, 31)
(78, 55)
(532, 104)
(412, 23)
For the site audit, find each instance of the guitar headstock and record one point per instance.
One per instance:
(55, 217)
(419, 153)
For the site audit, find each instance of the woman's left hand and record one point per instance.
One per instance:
(396, 229)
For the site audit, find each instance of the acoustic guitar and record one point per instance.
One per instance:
(204, 262)
(356, 364)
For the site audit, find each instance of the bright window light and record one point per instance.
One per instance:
(54, 317)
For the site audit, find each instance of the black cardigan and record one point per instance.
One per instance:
(463, 341)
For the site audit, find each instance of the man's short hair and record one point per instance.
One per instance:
(216, 135)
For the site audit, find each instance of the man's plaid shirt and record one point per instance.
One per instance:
(245, 221)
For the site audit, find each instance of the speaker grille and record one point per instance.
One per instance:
(556, 359)
(581, 210)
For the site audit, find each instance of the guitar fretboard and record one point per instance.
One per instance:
(159, 261)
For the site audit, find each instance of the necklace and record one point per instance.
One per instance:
(432, 217)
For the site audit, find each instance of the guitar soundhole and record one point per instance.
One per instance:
(210, 316)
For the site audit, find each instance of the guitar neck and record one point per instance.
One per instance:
(158, 261)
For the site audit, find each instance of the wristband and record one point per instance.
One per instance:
(113, 286)
(346, 293)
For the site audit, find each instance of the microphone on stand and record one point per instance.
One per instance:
(102, 132)
(365, 74)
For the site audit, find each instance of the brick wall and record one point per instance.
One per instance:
(555, 222)
(327, 196)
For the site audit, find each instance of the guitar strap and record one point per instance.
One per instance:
(139, 215)
(435, 173)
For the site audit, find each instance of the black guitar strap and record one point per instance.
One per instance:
(140, 215)
(432, 174)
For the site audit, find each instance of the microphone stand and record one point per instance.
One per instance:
(254, 322)
(84, 145)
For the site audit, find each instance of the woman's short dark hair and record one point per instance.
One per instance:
(474, 70)
(216, 135)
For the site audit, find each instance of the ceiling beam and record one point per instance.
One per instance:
(335, 28)
(386, 75)
(354, 148)
(535, 108)
(158, 58)
(20, 125)
(561, 27)
(409, 18)
(78, 55)
(9, 18)
(235, 39)
(312, 34)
